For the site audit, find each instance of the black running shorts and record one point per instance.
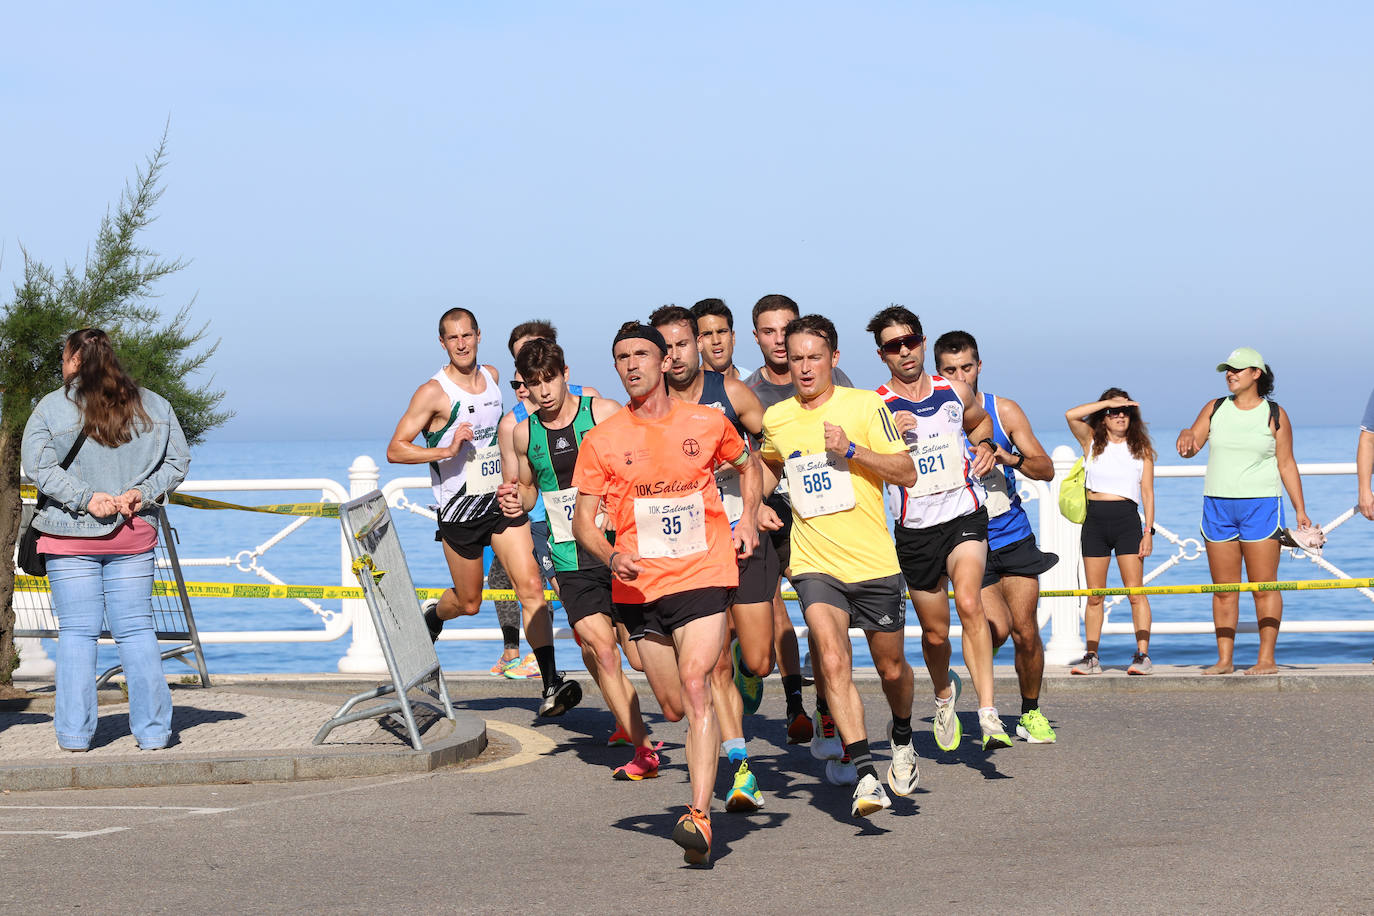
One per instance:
(664, 615)
(469, 539)
(782, 538)
(923, 553)
(874, 606)
(1019, 558)
(1112, 526)
(585, 592)
(758, 574)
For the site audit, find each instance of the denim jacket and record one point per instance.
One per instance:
(153, 462)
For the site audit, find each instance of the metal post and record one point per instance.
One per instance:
(364, 654)
(1061, 536)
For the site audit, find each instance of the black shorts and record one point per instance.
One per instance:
(923, 553)
(758, 574)
(469, 539)
(585, 592)
(782, 538)
(874, 606)
(664, 615)
(1019, 558)
(1112, 526)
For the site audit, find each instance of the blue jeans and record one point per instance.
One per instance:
(85, 592)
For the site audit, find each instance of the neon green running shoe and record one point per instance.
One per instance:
(946, 725)
(750, 686)
(1035, 728)
(745, 795)
(994, 734)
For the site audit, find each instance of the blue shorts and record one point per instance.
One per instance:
(1255, 519)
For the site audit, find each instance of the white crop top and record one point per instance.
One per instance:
(1115, 471)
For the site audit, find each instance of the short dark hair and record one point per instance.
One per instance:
(818, 325)
(633, 329)
(539, 360)
(773, 302)
(672, 314)
(893, 314)
(454, 314)
(715, 307)
(955, 342)
(536, 328)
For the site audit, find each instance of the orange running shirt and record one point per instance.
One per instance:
(657, 478)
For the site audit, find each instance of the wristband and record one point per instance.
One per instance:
(988, 442)
(1020, 460)
(850, 453)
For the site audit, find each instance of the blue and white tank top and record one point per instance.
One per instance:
(1007, 521)
(538, 513)
(465, 485)
(944, 488)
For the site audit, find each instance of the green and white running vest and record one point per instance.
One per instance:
(553, 455)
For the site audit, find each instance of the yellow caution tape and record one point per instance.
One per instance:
(1210, 588)
(310, 510)
(364, 564)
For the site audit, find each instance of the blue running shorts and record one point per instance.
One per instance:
(1255, 519)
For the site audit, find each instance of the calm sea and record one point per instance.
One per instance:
(310, 556)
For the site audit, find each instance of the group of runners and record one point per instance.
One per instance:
(672, 520)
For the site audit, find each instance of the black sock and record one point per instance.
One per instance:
(861, 758)
(545, 658)
(510, 635)
(436, 626)
(791, 688)
(901, 730)
(822, 708)
(1029, 703)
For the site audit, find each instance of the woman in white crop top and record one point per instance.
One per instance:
(1120, 464)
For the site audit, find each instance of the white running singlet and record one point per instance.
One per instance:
(465, 485)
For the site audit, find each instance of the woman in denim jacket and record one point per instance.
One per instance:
(99, 528)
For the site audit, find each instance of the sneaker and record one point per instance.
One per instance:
(994, 733)
(643, 766)
(619, 738)
(828, 746)
(1140, 664)
(1088, 664)
(503, 665)
(1035, 728)
(750, 686)
(902, 774)
(841, 772)
(800, 730)
(948, 731)
(426, 607)
(693, 834)
(869, 797)
(526, 667)
(559, 697)
(745, 795)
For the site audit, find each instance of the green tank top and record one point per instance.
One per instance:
(1241, 462)
(553, 455)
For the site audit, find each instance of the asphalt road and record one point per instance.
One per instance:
(1154, 800)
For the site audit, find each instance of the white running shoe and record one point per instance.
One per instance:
(826, 743)
(869, 797)
(994, 732)
(902, 774)
(841, 773)
(947, 729)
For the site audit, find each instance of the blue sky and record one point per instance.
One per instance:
(1104, 194)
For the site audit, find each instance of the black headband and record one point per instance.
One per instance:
(642, 331)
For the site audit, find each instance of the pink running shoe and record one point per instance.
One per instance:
(643, 766)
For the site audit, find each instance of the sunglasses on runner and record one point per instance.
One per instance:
(516, 384)
(895, 345)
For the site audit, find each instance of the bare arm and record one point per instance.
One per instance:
(1288, 468)
(1035, 463)
(427, 403)
(623, 564)
(747, 405)
(1147, 500)
(1192, 439)
(1364, 467)
(978, 428)
(898, 468)
(1078, 418)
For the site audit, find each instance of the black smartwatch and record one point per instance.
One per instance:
(989, 441)
(1020, 460)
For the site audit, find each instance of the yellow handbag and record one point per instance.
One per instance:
(1073, 494)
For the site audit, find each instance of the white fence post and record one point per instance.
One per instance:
(1061, 536)
(364, 655)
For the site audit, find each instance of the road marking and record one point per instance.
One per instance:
(532, 746)
(189, 810)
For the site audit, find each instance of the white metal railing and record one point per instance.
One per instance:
(1056, 534)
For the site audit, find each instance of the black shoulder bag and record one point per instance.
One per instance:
(30, 560)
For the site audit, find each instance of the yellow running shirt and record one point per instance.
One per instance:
(839, 523)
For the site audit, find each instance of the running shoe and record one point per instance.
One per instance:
(800, 730)
(426, 606)
(750, 686)
(841, 772)
(1140, 664)
(994, 732)
(745, 795)
(1088, 664)
(643, 766)
(526, 667)
(828, 746)
(559, 697)
(618, 738)
(869, 797)
(902, 774)
(948, 730)
(1035, 728)
(503, 665)
(693, 834)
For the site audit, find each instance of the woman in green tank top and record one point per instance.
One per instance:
(1251, 455)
